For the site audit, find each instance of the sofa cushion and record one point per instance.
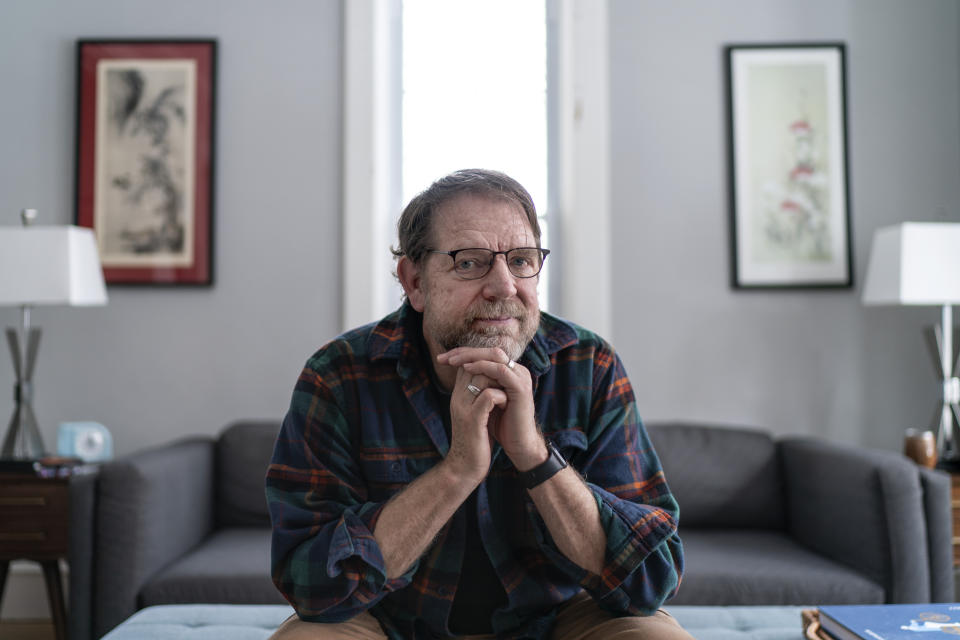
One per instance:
(230, 566)
(248, 622)
(749, 567)
(243, 455)
(721, 476)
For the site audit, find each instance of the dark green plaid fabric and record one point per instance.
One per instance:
(365, 420)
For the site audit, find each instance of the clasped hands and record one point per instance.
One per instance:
(492, 400)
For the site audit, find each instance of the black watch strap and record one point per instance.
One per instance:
(543, 472)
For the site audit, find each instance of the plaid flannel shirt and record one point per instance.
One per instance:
(364, 422)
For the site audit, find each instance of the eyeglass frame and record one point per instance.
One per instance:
(493, 256)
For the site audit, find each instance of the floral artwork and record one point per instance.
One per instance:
(790, 213)
(793, 216)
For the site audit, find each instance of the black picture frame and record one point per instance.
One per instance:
(145, 150)
(790, 222)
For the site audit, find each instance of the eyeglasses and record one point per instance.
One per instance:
(471, 264)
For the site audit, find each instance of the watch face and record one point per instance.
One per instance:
(554, 463)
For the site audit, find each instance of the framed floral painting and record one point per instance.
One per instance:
(789, 194)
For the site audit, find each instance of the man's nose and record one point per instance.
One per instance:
(499, 282)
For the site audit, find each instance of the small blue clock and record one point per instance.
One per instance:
(89, 441)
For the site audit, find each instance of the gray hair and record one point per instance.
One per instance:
(416, 222)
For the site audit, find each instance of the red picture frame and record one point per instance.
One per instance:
(145, 157)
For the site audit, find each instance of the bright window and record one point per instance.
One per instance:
(475, 94)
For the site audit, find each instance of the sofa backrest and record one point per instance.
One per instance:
(244, 450)
(722, 476)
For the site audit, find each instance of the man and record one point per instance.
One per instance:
(468, 465)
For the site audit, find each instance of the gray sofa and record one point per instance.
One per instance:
(763, 520)
(803, 520)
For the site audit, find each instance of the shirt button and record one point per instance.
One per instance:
(394, 467)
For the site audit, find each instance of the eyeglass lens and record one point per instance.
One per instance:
(524, 262)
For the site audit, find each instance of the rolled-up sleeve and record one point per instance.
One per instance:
(644, 556)
(324, 557)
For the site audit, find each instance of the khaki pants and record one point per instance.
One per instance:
(578, 619)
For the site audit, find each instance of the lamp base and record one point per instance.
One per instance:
(23, 440)
(945, 349)
(947, 422)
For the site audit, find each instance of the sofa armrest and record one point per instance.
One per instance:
(937, 507)
(80, 554)
(860, 507)
(153, 507)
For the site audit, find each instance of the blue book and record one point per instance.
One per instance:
(890, 621)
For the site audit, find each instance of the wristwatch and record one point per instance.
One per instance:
(543, 472)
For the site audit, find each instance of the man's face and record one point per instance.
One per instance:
(497, 310)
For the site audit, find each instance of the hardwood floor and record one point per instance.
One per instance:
(26, 630)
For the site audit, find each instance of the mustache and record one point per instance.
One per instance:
(499, 309)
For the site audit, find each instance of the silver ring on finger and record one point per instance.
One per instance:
(474, 389)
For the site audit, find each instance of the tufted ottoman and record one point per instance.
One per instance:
(257, 622)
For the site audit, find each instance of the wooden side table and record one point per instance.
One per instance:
(34, 525)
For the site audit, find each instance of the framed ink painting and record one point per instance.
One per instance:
(145, 152)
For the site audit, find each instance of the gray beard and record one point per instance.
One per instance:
(483, 340)
(465, 335)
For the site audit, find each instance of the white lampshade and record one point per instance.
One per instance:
(50, 265)
(914, 263)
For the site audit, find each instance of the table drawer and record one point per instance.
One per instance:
(33, 517)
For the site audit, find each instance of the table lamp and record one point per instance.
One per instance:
(41, 265)
(918, 263)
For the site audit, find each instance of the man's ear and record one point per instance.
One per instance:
(411, 278)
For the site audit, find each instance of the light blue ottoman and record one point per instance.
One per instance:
(257, 622)
(202, 622)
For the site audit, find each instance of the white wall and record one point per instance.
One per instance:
(812, 362)
(160, 363)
